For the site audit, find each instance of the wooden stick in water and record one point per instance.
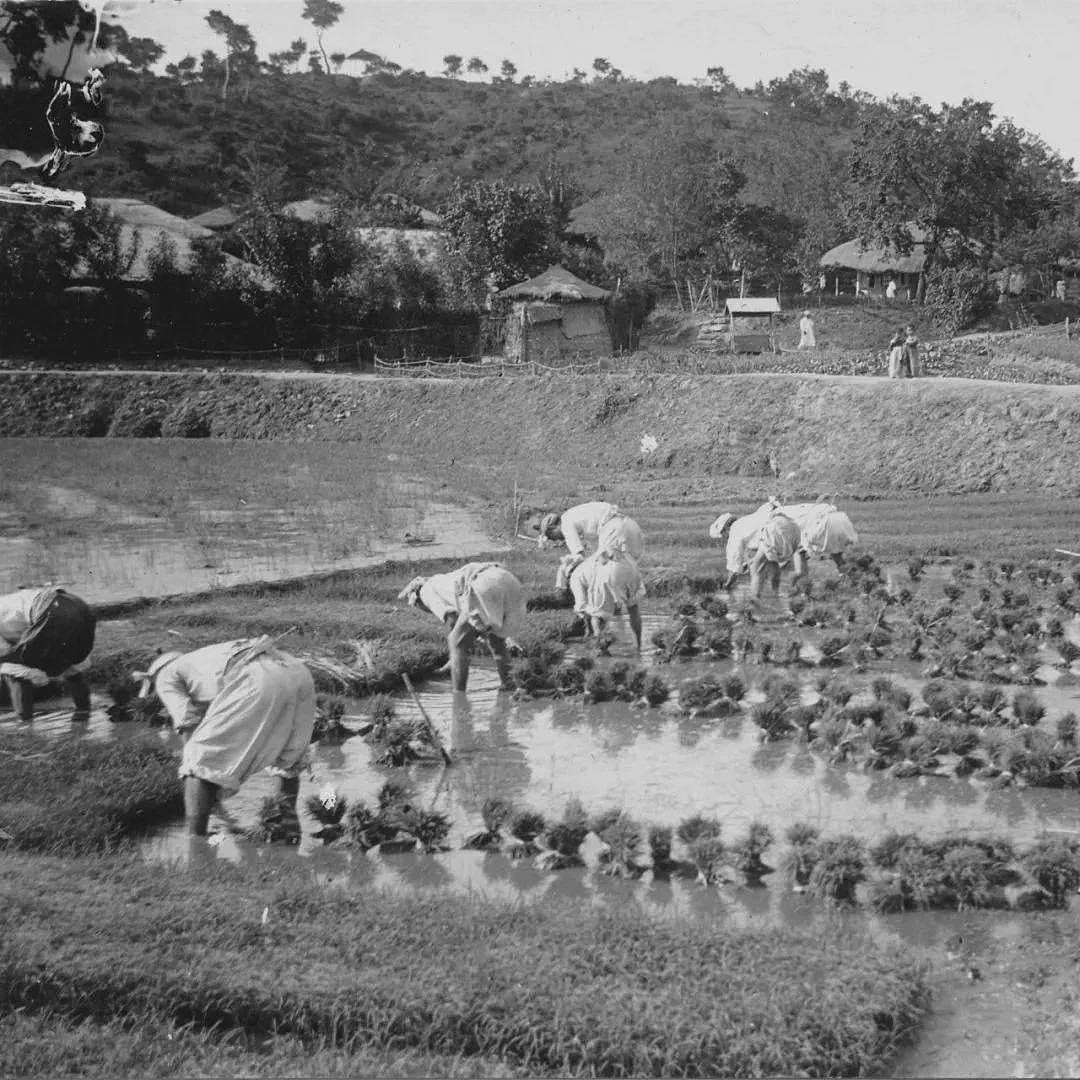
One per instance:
(1062, 551)
(438, 743)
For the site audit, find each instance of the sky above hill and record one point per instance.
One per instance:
(1015, 53)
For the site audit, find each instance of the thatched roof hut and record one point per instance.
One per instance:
(142, 223)
(875, 265)
(556, 315)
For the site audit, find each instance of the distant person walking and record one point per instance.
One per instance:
(890, 289)
(45, 633)
(807, 340)
(896, 354)
(1060, 291)
(911, 360)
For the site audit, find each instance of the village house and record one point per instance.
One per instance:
(556, 315)
(858, 269)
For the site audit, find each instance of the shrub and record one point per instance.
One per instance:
(1055, 866)
(1027, 708)
(840, 865)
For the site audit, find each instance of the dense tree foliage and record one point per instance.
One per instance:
(965, 179)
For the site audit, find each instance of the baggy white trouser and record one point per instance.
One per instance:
(261, 719)
(493, 600)
(601, 588)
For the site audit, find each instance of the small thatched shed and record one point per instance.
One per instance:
(555, 315)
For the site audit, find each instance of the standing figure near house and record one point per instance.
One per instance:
(479, 600)
(606, 583)
(911, 360)
(896, 354)
(589, 527)
(807, 340)
(45, 633)
(1060, 290)
(890, 289)
(241, 706)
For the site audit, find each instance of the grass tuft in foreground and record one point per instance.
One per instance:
(82, 797)
(539, 988)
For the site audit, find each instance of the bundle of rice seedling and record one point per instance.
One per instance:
(555, 600)
(429, 828)
(1027, 708)
(747, 852)
(401, 741)
(543, 649)
(921, 877)
(569, 679)
(124, 692)
(969, 873)
(660, 849)
(799, 862)
(599, 686)
(714, 607)
(884, 743)
(148, 710)
(839, 866)
(733, 686)
(655, 691)
(717, 642)
(363, 827)
(697, 826)
(1055, 865)
(524, 827)
(496, 813)
(604, 640)
(833, 649)
(1066, 729)
(707, 854)
(705, 696)
(381, 708)
(328, 728)
(328, 807)
(771, 716)
(396, 795)
(1069, 651)
(915, 567)
(835, 690)
(563, 839)
(622, 856)
(817, 615)
(334, 675)
(533, 676)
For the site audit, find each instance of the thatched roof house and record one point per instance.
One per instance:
(556, 315)
(142, 223)
(875, 265)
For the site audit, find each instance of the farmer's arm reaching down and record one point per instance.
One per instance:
(175, 693)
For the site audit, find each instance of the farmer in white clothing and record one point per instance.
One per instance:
(778, 542)
(606, 583)
(241, 706)
(45, 633)
(478, 600)
(591, 526)
(826, 531)
(740, 537)
(807, 338)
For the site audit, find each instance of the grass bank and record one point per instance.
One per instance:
(925, 435)
(538, 988)
(81, 797)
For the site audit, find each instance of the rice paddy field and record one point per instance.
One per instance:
(835, 833)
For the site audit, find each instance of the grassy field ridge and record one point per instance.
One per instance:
(848, 434)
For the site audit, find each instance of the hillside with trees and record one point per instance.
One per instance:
(702, 182)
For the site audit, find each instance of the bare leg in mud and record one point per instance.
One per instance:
(199, 799)
(800, 563)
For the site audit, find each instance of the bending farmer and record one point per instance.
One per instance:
(241, 706)
(45, 633)
(779, 541)
(480, 600)
(590, 527)
(605, 584)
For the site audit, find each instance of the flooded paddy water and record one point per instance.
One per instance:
(661, 766)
